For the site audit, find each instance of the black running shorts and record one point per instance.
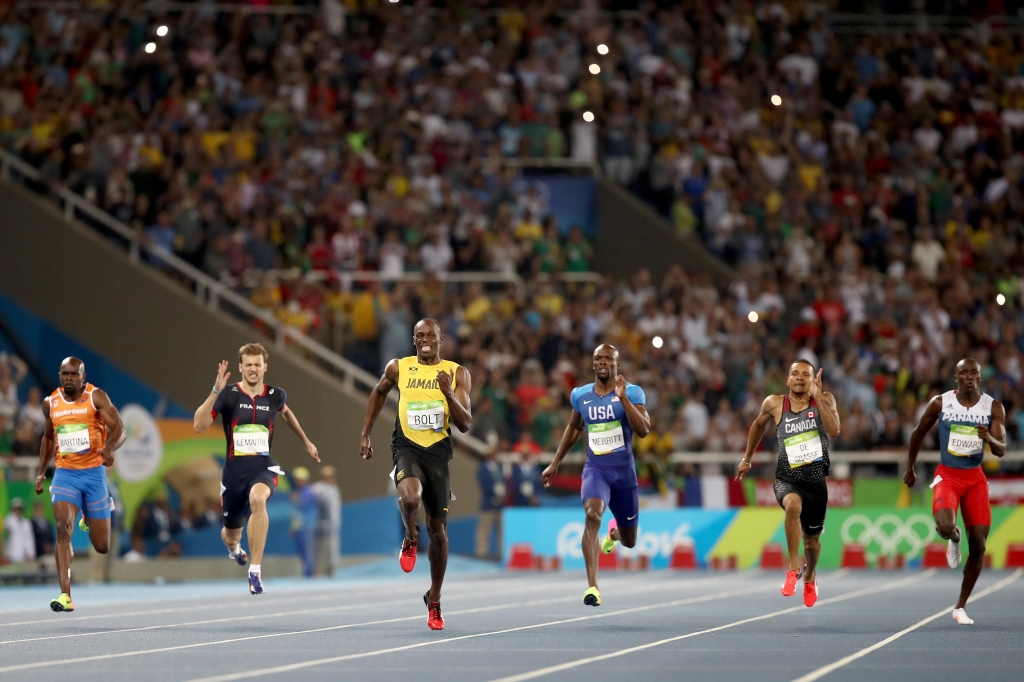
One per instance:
(814, 499)
(431, 472)
(240, 475)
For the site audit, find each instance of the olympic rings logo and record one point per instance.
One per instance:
(889, 534)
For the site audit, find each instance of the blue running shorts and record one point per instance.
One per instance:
(617, 486)
(84, 488)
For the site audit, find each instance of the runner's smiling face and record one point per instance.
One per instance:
(427, 338)
(72, 378)
(800, 377)
(606, 363)
(252, 367)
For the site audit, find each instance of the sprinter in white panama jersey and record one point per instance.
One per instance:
(968, 421)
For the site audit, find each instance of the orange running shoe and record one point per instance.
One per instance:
(435, 621)
(810, 594)
(407, 557)
(789, 587)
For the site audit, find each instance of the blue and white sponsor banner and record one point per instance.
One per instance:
(558, 532)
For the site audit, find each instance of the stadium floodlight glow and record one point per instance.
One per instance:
(162, 31)
(776, 100)
(1000, 299)
(602, 49)
(393, 1)
(595, 69)
(150, 48)
(752, 316)
(588, 116)
(657, 342)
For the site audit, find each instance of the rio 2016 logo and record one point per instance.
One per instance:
(888, 534)
(651, 544)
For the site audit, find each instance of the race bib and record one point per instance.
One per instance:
(964, 441)
(803, 448)
(606, 437)
(251, 439)
(72, 439)
(427, 415)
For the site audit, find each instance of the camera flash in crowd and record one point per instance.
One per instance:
(602, 49)
(162, 31)
(776, 100)
(588, 116)
(1000, 299)
(657, 342)
(752, 316)
(595, 69)
(150, 48)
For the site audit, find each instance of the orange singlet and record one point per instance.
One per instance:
(78, 429)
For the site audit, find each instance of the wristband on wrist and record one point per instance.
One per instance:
(214, 389)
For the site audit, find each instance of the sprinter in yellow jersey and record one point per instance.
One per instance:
(83, 429)
(433, 393)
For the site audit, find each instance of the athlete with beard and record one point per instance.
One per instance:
(611, 410)
(433, 393)
(248, 410)
(83, 428)
(800, 417)
(968, 420)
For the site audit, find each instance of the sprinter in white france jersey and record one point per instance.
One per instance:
(968, 421)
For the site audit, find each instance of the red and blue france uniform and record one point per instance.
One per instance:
(610, 471)
(249, 430)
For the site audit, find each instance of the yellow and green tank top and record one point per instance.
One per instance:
(422, 423)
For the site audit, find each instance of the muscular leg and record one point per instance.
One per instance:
(627, 536)
(410, 493)
(793, 506)
(259, 522)
(945, 524)
(812, 550)
(99, 534)
(594, 508)
(65, 513)
(437, 552)
(231, 537)
(976, 536)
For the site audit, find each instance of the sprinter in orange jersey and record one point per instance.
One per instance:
(83, 429)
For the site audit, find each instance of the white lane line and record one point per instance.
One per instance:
(541, 602)
(660, 586)
(288, 596)
(623, 652)
(825, 670)
(380, 652)
(329, 591)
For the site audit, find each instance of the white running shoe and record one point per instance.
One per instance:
(953, 554)
(960, 616)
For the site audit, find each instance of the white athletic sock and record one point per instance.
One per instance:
(254, 568)
(233, 551)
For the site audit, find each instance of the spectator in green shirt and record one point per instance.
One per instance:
(577, 252)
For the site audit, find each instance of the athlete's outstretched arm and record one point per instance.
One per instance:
(46, 448)
(115, 427)
(636, 415)
(459, 409)
(378, 396)
(204, 415)
(293, 423)
(756, 433)
(995, 433)
(569, 437)
(928, 419)
(827, 404)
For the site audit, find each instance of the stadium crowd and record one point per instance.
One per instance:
(867, 191)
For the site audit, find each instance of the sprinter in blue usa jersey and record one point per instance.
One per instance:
(610, 411)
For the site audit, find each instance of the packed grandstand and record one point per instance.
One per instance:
(866, 191)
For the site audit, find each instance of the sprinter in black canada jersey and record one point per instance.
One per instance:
(805, 419)
(248, 410)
